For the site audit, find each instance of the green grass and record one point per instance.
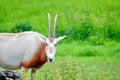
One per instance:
(97, 57)
(78, 19)
(71, 13)
(78, 49)
(82, 61)
(81, 68)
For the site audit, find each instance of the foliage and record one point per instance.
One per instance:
(79, 20)
(80, 68)
(91, 49)
(82, 31)
(113, 33)
(22, 27)
(1, 29)
(78, 49)
(95, 40)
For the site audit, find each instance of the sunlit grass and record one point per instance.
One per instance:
(82, 68)
(78, 49)
(70, 13)
(76, 61)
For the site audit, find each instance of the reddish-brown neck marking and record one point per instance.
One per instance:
(38, 59)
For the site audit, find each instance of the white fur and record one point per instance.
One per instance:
(15, 47)
(51, 49)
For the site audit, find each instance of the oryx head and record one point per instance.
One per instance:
(51, 41)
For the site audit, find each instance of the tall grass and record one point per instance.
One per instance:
(91, 50)
(79, 49)
(76, 17)
(84, 68)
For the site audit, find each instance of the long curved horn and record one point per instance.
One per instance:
(55, 20)
(48, 25)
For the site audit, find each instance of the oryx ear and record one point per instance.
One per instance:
(60, 38)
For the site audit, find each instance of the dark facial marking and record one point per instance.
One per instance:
(55, 44)
(51, 40)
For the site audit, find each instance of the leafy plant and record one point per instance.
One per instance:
(81, 31)
(95, 40)
(22, 27)
(113, 33)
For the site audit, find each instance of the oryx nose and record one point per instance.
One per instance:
(50, 59)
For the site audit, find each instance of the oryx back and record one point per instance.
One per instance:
(15, 47)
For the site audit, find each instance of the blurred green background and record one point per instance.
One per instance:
(78, 19)
(92, 28)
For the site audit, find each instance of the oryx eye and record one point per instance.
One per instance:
(46, 44)
(55, 44)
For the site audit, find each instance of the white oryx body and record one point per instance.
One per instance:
(14, 48)
(27, 50)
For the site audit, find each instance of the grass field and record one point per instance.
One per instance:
(82, 64)
(91, 50)
(82, 68)
(71, 13)
(86, 62)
